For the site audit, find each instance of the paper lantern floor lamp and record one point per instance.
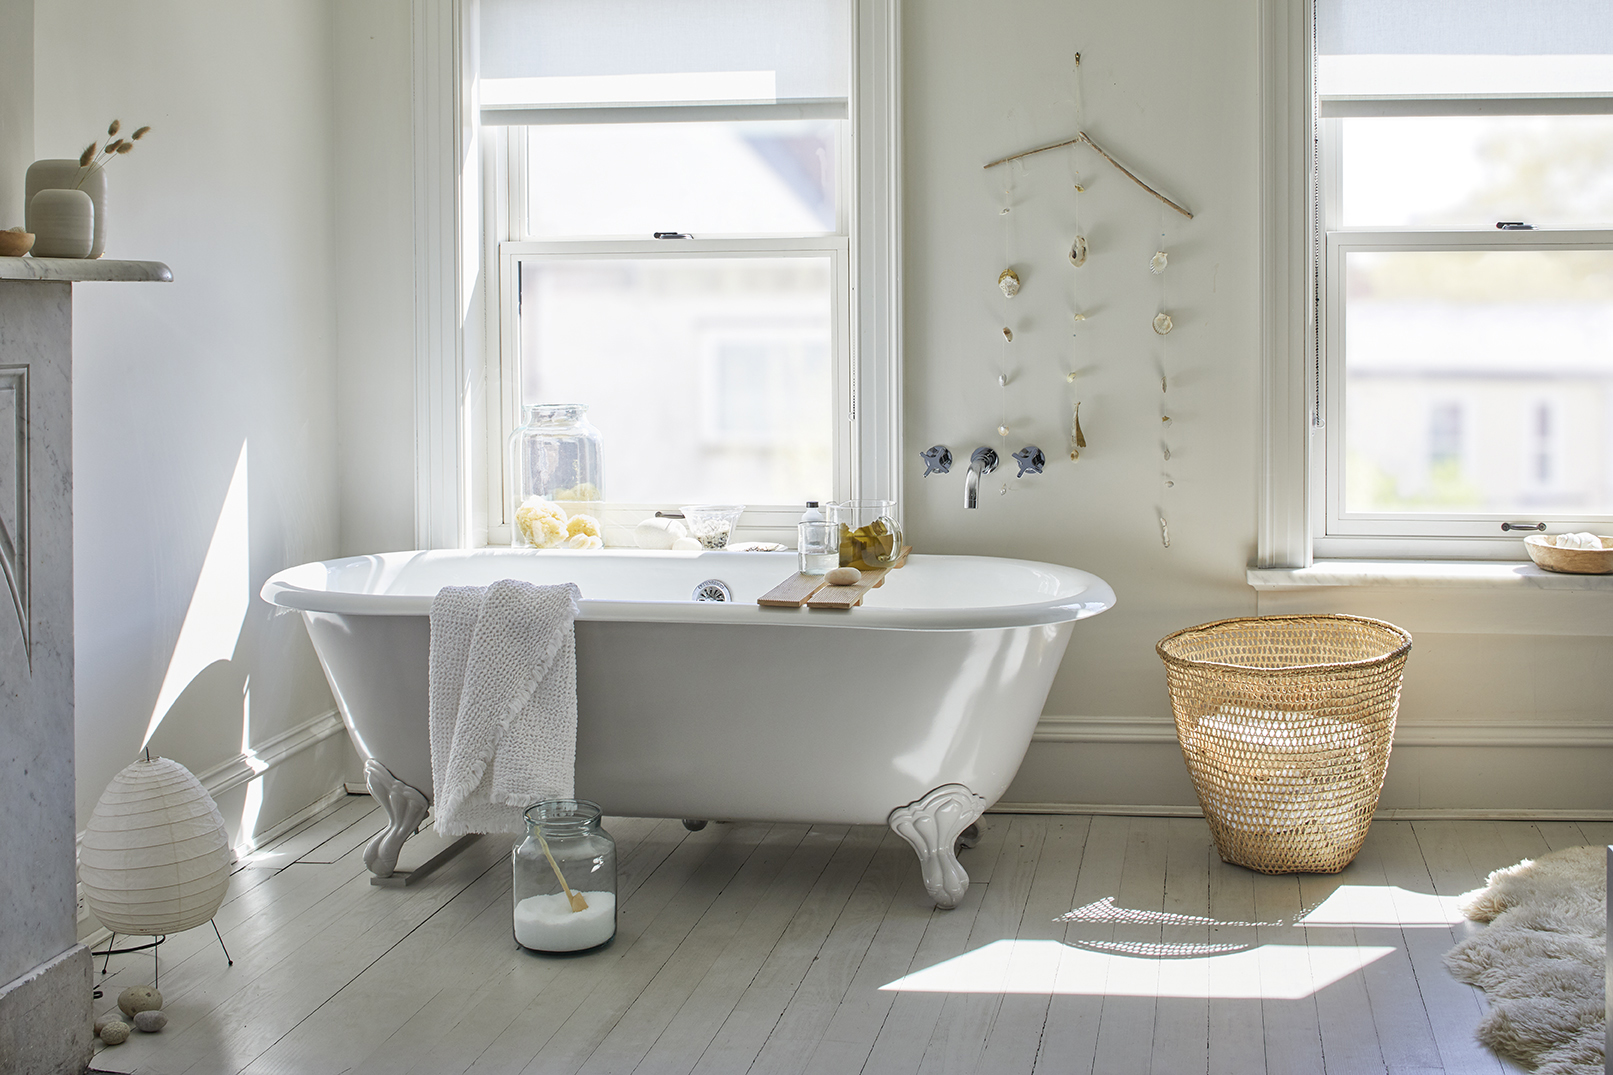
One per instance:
(155, 858)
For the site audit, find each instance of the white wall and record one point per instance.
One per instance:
(16, 105)
(1171, 89)
(374, 275)
(1489, 720)
(234, 188)
(277, 184)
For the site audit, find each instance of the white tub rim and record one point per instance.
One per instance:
(1082, 595)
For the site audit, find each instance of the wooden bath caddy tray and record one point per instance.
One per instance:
(813, 592)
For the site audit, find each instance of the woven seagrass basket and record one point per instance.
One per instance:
(1286, 724)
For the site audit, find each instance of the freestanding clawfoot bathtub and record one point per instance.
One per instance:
(913, 710)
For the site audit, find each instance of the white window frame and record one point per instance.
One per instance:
(1301, 516)
(765, 522)
(1474, 535)
(458, 405)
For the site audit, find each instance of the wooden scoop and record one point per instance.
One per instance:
(577, 902)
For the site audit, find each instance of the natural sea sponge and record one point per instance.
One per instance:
(584, 524)
(581, 491)
(115, 1033)
(540, 522)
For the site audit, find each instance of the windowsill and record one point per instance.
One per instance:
(1503, 575)
(1493, 597)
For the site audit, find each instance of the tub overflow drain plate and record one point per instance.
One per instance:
(713, 590)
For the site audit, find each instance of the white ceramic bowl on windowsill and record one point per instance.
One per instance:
(1544, 551)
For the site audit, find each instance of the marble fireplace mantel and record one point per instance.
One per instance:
(45, 974)
(83, 270)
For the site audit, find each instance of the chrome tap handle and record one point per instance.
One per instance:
(937, 460)
(1029, 458)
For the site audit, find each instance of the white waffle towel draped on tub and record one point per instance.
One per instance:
(503, 702)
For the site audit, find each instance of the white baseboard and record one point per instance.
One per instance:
(271, 752)
(1154, 729)
(1430, 814)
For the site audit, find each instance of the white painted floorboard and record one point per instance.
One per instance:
(1085, 944)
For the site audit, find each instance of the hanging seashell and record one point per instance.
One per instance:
(1078, 317)
(1080, 438)
(1002, 380)
(1162, 324)
(1002, 431)
(1008, 280)
(1008, 334)
(1078, 251)
(1157, 263)
(1079, 189)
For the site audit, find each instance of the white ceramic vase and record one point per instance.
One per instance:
(66, 174)
(63, 223)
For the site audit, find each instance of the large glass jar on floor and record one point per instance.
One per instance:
(558, 455)
(565, 878)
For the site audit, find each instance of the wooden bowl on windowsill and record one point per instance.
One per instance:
(15, 243)
(1543, 551)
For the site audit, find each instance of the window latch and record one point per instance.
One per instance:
(1523, 526)
(1514, 225)
(673, 235)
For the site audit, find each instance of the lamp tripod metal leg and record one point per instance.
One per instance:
(220, 936)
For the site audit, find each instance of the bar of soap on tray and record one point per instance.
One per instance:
(658, 533)
(843, 576)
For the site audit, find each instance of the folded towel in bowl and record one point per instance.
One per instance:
(503, 672)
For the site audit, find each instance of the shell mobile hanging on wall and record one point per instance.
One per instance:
(1008, 280)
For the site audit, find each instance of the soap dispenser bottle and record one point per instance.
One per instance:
(818, 541)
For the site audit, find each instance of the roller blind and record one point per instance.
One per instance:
(591, 61)
(1464, 48)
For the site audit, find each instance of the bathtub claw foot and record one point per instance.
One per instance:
(969, 836)
(692, 825)
(933, 825)
(405, 810)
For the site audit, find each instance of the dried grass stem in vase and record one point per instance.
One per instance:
(96, 154)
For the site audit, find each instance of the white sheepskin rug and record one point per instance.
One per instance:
(1541, 960)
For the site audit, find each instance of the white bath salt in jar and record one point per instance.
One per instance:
(565, 878)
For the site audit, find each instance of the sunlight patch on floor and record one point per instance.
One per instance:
(1384, 905)
(1266, 972)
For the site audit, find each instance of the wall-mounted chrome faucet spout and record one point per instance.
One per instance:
(983, 461)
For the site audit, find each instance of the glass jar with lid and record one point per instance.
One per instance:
(565, 878)
(556, 454)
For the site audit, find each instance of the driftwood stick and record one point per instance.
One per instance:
(1039, 149)
(1127, 172)
(1082, 136)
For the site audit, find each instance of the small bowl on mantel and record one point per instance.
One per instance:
(1544, 551)
(15, 243)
